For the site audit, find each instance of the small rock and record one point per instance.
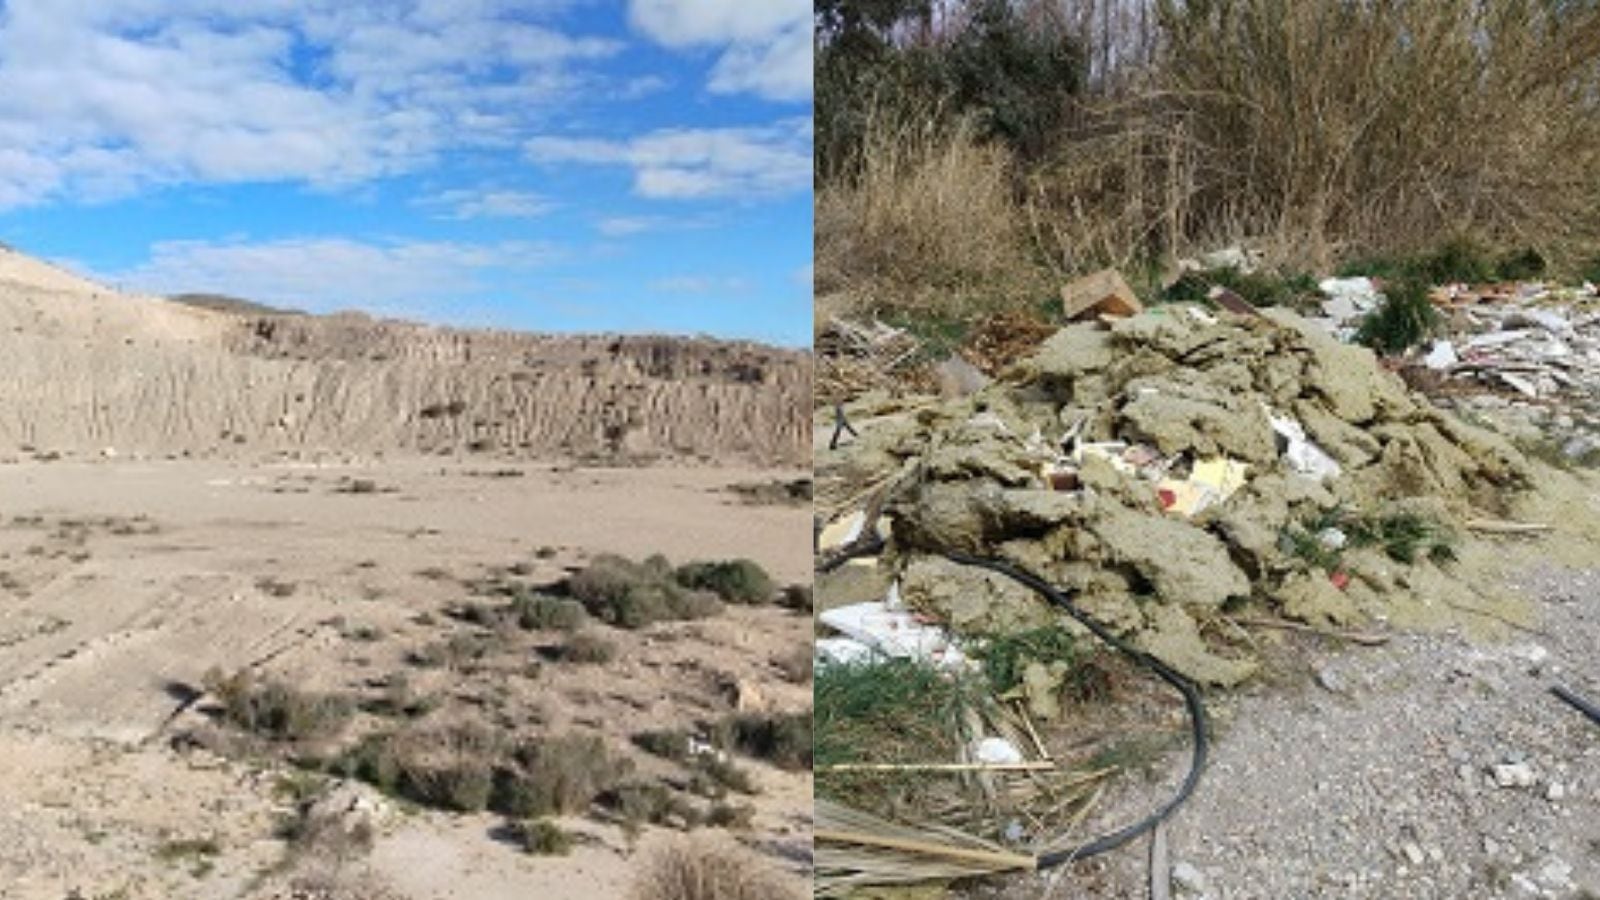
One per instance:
(1329, 680)
(1555, 792)
(1412, 852)
(1513, 775)
(1189, 879)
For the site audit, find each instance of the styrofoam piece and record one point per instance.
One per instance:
(894, 632)
(996, 751)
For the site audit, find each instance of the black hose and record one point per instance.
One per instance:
(1191, 700)
(1578, 703)
(1191, 695)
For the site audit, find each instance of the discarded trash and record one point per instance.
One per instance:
(1442, 356)
(1232, 302)
(1578, 703)
(1349, 298)
(996, 751)
(888, 628)
(1332, 538)
(842, 531)
(1103, 293)
(1303, 456)
(1212, 481)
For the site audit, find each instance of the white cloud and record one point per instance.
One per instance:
(700, 284)
(766, 46)
(324, 274)
(688, 163)
(100, 98)
(488, 203)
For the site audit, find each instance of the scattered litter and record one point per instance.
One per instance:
(1332, 538)
(889, 629)
(1442, 356)
(1103, 293)
(996, 751)
(1212, 481)
(1299, 452)
(842, 531)
(1349, 298)
(1232, 302)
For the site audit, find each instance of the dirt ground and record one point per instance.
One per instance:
(122, 582)
(1435, 766)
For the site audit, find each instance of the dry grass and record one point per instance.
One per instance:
(929, 207)
(700, 869)
(1333, 126)
(1318, 131)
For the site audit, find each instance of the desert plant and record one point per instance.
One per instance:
(699, 869)
(627, 594)
(785, 740)
(447, 768)
(541, 837)
(736, 581)
(588, 649)
(558, 775)
(276, 710)
(542, 612)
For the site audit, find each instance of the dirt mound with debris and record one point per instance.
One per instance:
(84, 368)
(1174, 467)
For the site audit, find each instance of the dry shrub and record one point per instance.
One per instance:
(1388, 125)
(928, 206)
(702, 869)
(1320, 131)
(445, 768)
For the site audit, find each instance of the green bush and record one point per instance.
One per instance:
(736, 581)
(541, 837)
(1402, 320)
(783, 740)
(275, 710)
(627, 594)
(559, 775)
(444, 768)
(588, 649)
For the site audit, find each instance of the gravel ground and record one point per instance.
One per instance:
(1435, 766)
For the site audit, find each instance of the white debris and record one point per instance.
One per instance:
(886, 627)
(1522, 385)
(996, 751)
(1301, 454)
(1349, 298)
(1442, 356)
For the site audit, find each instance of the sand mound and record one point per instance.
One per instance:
(83, 367)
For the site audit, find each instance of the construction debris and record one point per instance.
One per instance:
(1527, 356)
(1165, 464)
(1105, 293)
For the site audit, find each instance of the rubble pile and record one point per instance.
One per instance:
(1170, 465)
(1528, 357)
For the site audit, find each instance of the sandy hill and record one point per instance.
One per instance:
(83, 367)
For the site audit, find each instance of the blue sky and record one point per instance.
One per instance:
(571, 165)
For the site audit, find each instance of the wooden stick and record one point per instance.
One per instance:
(1354, 637)
(1027, 722)
(1160, 867)
(1043, 765)
(1001, 861)
(1497, 526)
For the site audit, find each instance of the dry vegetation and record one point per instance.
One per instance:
(413, 746)
(972, 153)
